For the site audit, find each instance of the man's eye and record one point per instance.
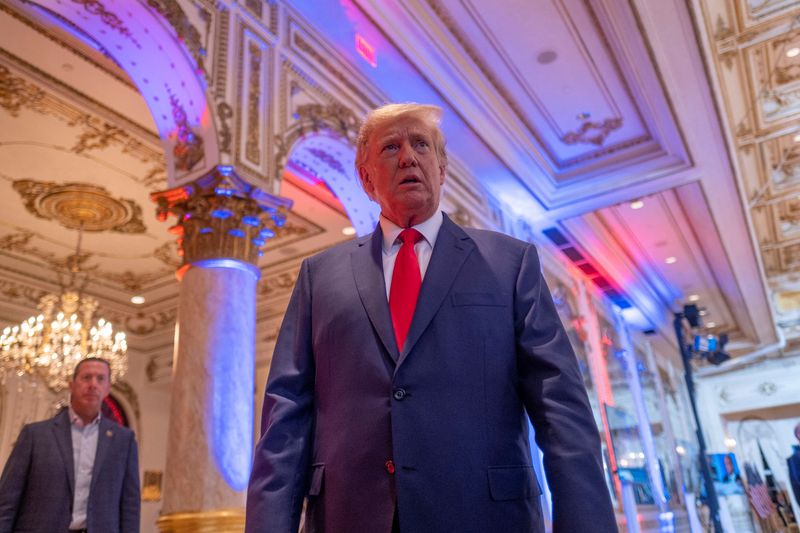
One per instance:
(389, 147)
(422, 144)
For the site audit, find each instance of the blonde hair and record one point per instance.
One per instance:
(429, 114)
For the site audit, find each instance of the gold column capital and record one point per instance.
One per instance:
(215, 521)
(221, 216)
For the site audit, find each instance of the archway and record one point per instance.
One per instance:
(318, 156)
(145, 39)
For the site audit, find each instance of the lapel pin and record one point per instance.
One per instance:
(109, 433)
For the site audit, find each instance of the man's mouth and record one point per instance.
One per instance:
(410, 180)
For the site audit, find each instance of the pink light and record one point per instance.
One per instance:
(366, 50)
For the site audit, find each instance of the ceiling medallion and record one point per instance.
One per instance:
(76, 204)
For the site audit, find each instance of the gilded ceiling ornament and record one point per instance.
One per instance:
(94, 133)
(72, 204)
(16, 93)
(187, 34)
(224, 113)
(109, 19)
(188, 149)
(281, 283)
(222, 216)
(593, 132)
(252, 148)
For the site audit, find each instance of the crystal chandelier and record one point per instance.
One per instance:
(47, 347)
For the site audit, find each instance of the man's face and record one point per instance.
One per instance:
(89, 388)
(402, 171)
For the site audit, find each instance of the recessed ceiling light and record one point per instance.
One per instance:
(547, 57)
(711, 325)
(671, 259)
(703, 312)
(637, 204)
(138, 300)
(797, 138)
(694, 297)
(349, 230)
(793, 52)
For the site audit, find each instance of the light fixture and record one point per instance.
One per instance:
(670, 260)
(730, 443)
(711, 325)
(137, 300)
(694, 297)
(796, 138)
(48, 346)
(349, 230)
(793, 52)
(637, 204)
(680, 450)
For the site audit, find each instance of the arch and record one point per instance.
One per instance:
(144, 38)
(319, 149)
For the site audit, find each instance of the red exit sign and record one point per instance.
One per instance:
(366, 50)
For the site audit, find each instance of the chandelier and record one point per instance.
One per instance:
(47, 347)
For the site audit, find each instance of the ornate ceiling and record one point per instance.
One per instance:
(559, 115)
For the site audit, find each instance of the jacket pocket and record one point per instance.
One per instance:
(513, 482)
(478, 298)
(317, 475)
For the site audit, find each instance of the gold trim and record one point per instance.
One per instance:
(219, 521)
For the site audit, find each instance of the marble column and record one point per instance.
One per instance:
(222, 224)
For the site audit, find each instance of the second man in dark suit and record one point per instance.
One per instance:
(75, 472)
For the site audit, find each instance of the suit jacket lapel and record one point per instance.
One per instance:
(62, 430)
(453, 246)
(105, 437)
(368, 272)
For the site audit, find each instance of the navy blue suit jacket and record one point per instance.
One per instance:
(37, 485)
(448, 409)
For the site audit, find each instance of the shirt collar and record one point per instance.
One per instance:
(428, 228)
(76, 420)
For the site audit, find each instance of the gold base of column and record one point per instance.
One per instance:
(219, 521)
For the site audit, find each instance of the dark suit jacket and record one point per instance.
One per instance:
(36, 488)
(793, 462)
(484, 347)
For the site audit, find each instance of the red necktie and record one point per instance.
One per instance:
(406, 281)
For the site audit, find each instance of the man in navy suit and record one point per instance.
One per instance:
(405, 367)
(76, 471)
(793, 462)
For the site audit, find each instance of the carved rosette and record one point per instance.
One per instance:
(221, 216)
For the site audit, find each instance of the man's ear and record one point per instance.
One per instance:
(366, 183)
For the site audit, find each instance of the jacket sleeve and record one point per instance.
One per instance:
(559, 409)
(13, 480)
(130, 503)
(279, 479)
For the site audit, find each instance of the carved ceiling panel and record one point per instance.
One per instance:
(560, 75)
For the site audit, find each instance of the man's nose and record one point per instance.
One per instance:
(407, 156)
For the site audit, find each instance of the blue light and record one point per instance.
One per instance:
(251, 221)
(221, 213)
(222, 191)
(203, 231)
(259, 242)
(236, 232)
(266, 233)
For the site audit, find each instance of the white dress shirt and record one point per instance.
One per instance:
(84, 449)
(424, 248)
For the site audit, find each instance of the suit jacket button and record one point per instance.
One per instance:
(399, 394)
(389, 466)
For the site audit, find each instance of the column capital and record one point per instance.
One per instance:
(221, 216)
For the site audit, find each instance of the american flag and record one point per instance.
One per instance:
(758, 493)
